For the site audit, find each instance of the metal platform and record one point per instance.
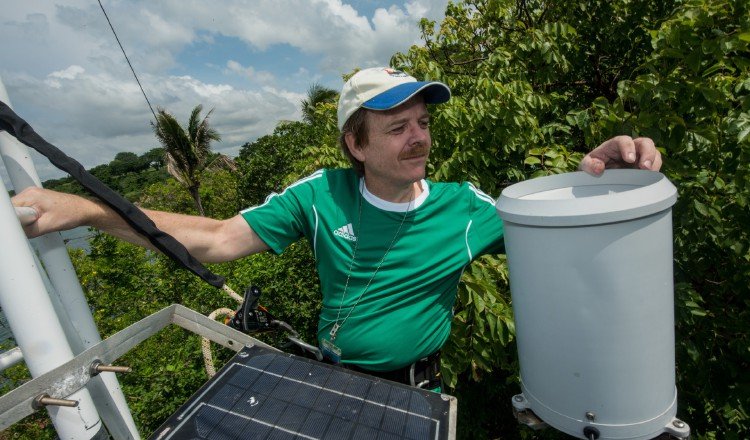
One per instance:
(261, 393)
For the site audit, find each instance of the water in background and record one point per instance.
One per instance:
(5, 333)
(78, 238)
(75, 238)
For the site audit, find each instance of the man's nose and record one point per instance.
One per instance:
(418, 133)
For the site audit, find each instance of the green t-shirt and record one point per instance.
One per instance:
(405, 313)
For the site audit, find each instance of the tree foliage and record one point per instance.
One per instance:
(316, 95)
(188, 150)
(266, 164)
(692, 95)
(127, 173)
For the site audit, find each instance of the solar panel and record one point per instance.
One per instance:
(265, 394)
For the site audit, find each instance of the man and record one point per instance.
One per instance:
(389, 245)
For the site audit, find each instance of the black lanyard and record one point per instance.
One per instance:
(18, 128)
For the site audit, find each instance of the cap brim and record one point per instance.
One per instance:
(433, 93)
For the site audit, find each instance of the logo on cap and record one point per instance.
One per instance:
(394, 72)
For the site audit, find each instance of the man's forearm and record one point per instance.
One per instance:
(207, 239)
(196, 233)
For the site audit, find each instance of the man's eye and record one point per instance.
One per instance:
(424, 124)
(399, 129)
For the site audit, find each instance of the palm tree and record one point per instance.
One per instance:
(316, 94)
(188, 152)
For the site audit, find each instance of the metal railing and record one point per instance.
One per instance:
(72, 376)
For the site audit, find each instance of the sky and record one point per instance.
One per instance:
(250, 61)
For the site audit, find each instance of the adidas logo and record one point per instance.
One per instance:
(346, 232)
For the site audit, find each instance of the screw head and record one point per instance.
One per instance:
(590, 416)
(678, 424)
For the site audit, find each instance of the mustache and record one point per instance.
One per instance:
(418, 150)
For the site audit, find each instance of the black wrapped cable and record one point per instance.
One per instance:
(137, 219)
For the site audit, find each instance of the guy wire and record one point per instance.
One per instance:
(128, 60)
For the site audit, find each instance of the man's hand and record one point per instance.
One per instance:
(622, 152)
(54, 211)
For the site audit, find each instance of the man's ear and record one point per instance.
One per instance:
(354, 149)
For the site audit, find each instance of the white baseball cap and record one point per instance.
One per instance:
(383, 88)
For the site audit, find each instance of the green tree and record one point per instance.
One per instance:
(692, 95)
(126, 162)
(219, 193)
(127, 173)
(295, 149)
(154, 158)
(316, 95)
(265, 164)
(188, 150)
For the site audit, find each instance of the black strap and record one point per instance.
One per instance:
(18, 128)
(424, 369)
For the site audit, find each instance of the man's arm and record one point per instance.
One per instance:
(622, 152)
(209, 240)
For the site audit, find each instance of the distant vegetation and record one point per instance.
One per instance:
(128, 174)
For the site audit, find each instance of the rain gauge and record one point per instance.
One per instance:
(590, 262)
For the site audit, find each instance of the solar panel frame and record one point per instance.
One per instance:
(266, 394)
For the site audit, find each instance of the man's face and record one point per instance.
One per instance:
(399, 143)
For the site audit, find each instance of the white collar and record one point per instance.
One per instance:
(392, 206)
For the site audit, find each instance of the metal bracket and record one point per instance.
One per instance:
(525, 416)
(76, 373)
(678, 429)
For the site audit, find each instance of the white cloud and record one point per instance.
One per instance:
(67, 77)
(331, 29)
(432, 10)
(182, 84)
(69, 73)
(249, 72)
